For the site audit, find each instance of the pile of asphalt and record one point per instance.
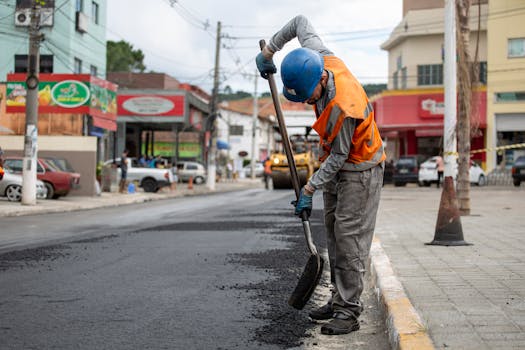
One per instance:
(283, 326)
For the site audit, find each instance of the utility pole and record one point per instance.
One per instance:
(212, 150)
(31, 135)
(449, 133)
(254, 126)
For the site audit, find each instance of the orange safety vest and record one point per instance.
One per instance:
(268, 167)
(350, 101)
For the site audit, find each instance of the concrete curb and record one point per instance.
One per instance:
(405, 328)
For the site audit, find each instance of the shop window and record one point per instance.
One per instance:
(516, 48)
(514, 96)
(430, 74)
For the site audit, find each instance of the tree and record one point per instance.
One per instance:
(464, 102)
(121, 57)
(373, 89)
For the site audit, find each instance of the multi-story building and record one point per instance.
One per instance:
(77, 107)
(506, 81)
(74, 44)
(410, 113)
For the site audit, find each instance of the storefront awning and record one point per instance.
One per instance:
(67, 94)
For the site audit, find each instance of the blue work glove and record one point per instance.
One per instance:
(303, 204)
(265, 66)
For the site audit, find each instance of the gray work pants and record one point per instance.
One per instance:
(350, 208)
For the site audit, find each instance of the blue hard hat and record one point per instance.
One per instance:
(301, 71)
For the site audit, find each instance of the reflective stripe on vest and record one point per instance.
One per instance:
(350, 101)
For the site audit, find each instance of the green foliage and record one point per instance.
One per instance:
(122, 58)
(100, 165)
(373, 89)
(229, 95)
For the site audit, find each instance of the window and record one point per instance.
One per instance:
(396, 81)
(94, 12)
(431, 74)
(93, 70)
(516, 48)
(46, 63)
(16, 165)
(483, 73)
(79, 6)
(236, 130)
(515, 96)
(77, 69)
(404, 78)
(399, 62)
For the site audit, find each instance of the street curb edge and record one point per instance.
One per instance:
(405, 329)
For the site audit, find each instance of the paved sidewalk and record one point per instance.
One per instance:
(468, 297)
(106, 199)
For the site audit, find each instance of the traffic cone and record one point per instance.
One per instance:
(190, 183)
(448, 227)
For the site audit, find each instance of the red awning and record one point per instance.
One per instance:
(104, 123)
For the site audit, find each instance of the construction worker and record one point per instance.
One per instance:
(352, 156)
(267, 172)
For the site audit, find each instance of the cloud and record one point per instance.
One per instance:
(174, 41)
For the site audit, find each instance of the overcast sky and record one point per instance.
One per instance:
(180, 39)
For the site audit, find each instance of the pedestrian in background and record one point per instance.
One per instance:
(352, 156)
(267, 172)
(123, 171)
(1, 163)
(440, 169)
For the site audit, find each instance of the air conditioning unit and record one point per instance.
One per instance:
(23, 17)
(81, 22)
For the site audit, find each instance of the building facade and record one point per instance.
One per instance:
(506, 82)
(410, 114)
(74, 44)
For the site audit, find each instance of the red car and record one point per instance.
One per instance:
(58, 182)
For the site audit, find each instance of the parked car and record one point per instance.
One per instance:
(406, 170)
(428, 173)
(259, 170)
(518, 171)
(184, 170)
(63, 165)
(58, 183)
(150, 179)
(11, 187)
(389, 172)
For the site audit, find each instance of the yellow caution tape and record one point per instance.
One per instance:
(455, 154)
(517, 145)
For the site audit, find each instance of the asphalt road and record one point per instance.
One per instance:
(205, 272)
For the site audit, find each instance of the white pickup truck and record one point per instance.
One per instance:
(150, 179)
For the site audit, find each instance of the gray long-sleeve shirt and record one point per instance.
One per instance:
(300, 28)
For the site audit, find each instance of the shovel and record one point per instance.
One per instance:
(314, 266)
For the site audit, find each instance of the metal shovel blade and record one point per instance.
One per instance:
(307, 283)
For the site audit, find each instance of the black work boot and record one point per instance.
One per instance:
(340, 324)
(325, 312)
